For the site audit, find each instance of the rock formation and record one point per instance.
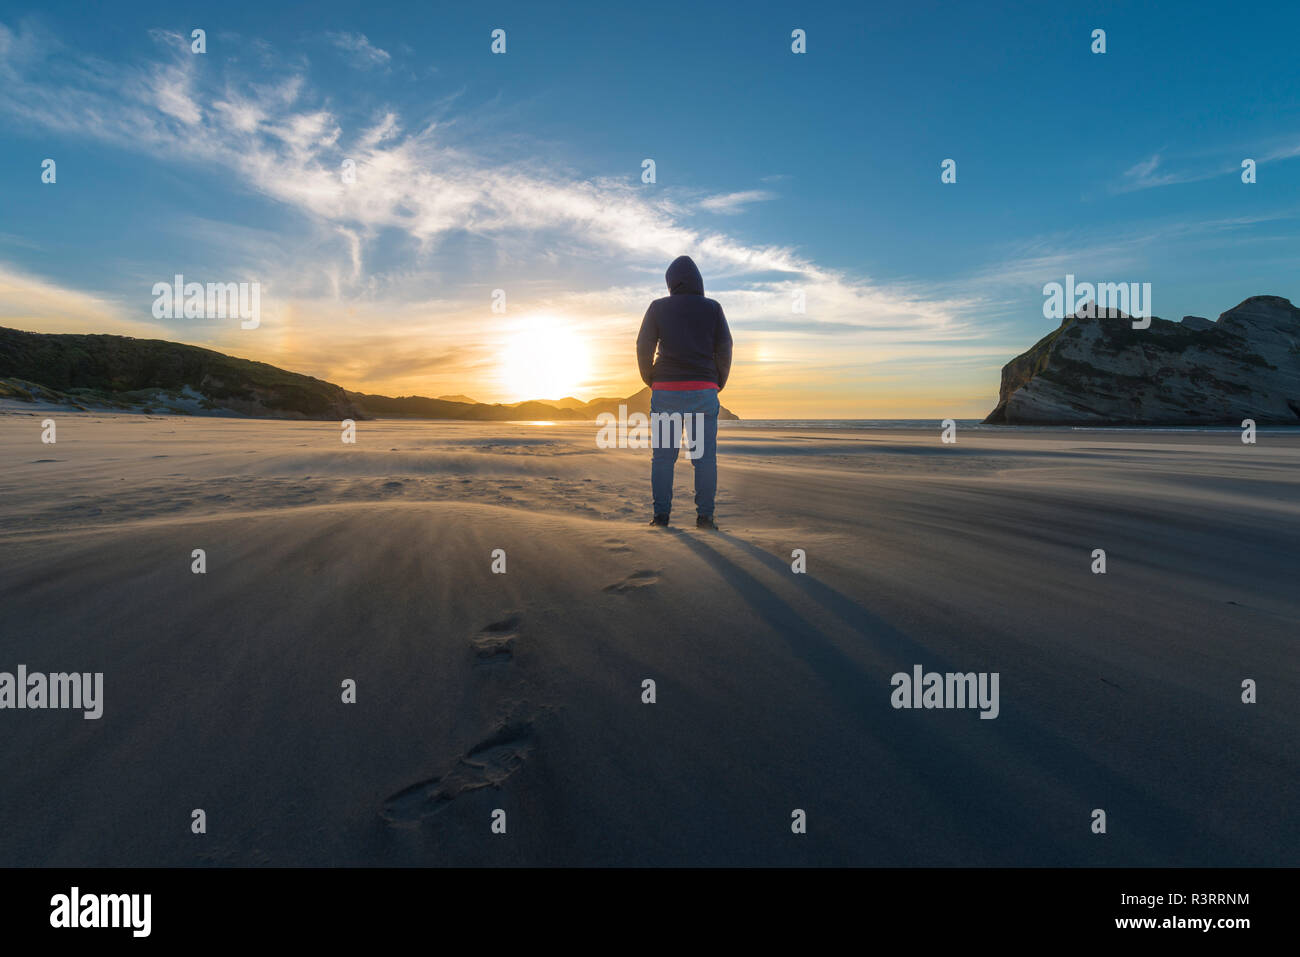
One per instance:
(1102, 371)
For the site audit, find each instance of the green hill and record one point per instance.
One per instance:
(154, 375)
(123, 372)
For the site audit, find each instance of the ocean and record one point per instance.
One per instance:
(966, 425)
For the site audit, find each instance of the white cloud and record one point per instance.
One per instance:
(1095, 252)
(1152, 172)
(277, 137)
(1144, 175)
(732, 203)
(361, 52)
(1144, 169)
(1287, 150)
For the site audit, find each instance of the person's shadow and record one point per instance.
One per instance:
(979, 769)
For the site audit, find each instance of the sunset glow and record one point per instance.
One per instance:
(544, 358)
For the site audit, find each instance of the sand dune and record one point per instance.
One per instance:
(522, 691)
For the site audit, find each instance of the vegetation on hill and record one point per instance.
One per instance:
(121, 372)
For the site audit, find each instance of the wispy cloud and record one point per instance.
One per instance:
(732, 203)
(1047, 258)
(360, 51)
(1142, 172)
(1154, 172)
(279, 140)
(1148, 174)
(1287, 149)
(277, 136)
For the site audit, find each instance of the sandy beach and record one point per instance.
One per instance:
(523, 691)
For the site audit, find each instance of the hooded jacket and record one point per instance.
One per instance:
(689, 331)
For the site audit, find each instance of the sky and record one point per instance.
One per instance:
(517, 180)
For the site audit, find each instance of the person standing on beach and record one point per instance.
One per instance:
(690, 333)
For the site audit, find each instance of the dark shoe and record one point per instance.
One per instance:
(659, 520)
(705, 521)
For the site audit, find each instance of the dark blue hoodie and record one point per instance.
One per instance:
(690, 331)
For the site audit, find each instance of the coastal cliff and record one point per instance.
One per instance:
(1102, 371)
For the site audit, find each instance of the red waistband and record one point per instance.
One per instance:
(683, 386)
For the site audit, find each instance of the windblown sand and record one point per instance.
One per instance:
(523, 691)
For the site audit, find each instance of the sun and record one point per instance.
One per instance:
(544, 358)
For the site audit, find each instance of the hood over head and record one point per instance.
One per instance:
(684, 277)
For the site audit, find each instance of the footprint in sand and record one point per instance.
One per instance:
(495, 641)
(487, 764)
(617, 545)
(637, 580)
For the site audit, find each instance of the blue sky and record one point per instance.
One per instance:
(778, 172)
